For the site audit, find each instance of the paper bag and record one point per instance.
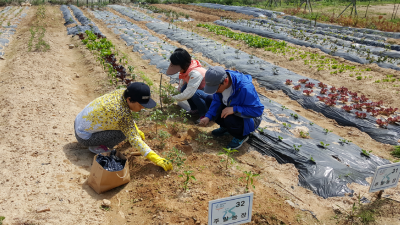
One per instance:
(102, 180)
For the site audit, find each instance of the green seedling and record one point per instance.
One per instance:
(284, 107)
(344, 141)
(312, 159)
(280, 138)
(286, 125)
(304, 134)
(323, 144)
(297, 148)
(203, 138)
(188, 178)
(176, 157)
(396, 152)
(294, 115)
(311, 123)
(261, 129)
(327, 131)
(228, 152)
(249, 179)
(105, 208)
(163, 136)
(365, 152)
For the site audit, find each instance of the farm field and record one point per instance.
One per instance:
(314, 159)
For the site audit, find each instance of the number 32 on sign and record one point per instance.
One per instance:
(232, 210)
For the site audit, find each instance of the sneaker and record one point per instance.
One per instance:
(237, 143)
(98, 149)
(220, 132)
(198, 121)
(193, 112)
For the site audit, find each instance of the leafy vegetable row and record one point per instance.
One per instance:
(250, 39)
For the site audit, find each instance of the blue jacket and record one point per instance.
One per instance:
(244, 100)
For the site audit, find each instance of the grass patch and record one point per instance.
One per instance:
(396, 152)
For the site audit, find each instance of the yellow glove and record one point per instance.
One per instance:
(140, 133)
(165, 164)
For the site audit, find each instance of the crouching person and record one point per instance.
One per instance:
(236, 106)
(108, 120)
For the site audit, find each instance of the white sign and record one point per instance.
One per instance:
(232, 210)
(386, 176)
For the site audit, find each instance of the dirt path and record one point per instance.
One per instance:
(41, 167)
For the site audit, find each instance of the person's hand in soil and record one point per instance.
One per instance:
(204, 121)
(226, 112)
(165, 164)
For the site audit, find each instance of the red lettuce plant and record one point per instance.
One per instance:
(363, 99)
(330, 102)
(323, 91)
(394, 119)
(358, 106)
(322, 85)
(333, 96)
(322, 99)
(388, 111)
(343, 90)
(303, 81)
(361, 115)
(343, 100)
(297, 87)
(347, 108)
(382, 123)
(378, 104)
(288, 82)
(353, 94)
(310, 85)
(355, 99)
(374, 112)
(308, 92)
(333, 89)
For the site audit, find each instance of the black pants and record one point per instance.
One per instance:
(234, 124)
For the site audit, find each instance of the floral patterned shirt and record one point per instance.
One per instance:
(110, 112)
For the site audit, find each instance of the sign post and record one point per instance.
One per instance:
(232, 210)
(386, 176)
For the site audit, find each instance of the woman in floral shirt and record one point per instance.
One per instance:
(108, 120)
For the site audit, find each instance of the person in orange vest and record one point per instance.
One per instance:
(191, 82)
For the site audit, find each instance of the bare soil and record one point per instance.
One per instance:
(43, 166)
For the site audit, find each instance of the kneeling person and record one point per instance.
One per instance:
(236, 106)
(108, 120)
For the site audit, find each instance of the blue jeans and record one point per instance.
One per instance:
(199, 101)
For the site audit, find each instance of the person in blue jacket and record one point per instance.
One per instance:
(235, 106)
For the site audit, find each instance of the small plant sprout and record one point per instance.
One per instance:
(311, 123)
(280, 138)
(344, 141)
(175, 156)
(297, 148)
(188, 178)
(312, 159)
(203, 137)
(323, 91)
(309, 85)
(228, 152)
(286, 125)
(294, 115)
(275, 70)
(327, 131)
(284, 107)
(323, 144)
(382, 123)
(365, 152)
(304, 134)
(249, 179)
